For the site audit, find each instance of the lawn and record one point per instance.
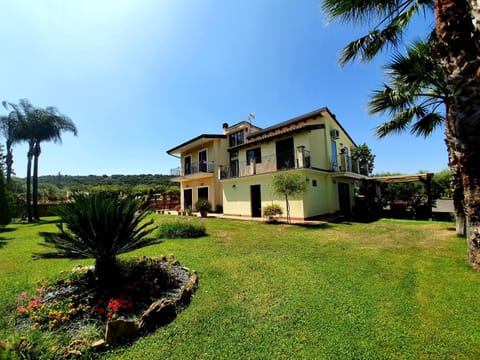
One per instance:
(388, 289)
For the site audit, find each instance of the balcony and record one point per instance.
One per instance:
(194, 169)
(267, 164)
(344, 163)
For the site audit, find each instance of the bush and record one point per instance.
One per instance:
(181, 229)
(202, 205)
(272, 210)
(99, 226)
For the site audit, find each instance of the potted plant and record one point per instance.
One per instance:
(272, 212)
(203, 206)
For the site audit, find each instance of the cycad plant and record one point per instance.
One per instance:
(100, 226)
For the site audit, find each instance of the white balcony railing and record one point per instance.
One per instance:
(194, 168)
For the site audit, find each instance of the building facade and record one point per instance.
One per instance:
(234, 170)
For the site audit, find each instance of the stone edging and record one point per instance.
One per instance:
(159, 313)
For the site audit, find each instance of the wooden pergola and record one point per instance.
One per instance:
(425, 179)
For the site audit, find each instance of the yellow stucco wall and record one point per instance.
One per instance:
(216, 152)
(234, 194)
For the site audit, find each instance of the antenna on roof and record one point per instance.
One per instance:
(251, 117)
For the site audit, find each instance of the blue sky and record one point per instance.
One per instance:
(139, 77)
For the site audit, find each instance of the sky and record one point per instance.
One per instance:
(139, 77)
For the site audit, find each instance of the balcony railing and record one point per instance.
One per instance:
(267, 164)
(194, 168)
(345, 163)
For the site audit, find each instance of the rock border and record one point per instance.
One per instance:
(160, 313)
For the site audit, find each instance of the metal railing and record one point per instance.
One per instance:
(194, 168)
(345, 163)
(267, 164)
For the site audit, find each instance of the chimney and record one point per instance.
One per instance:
(225, 127)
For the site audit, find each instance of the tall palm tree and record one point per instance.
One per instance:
(458, 32)
(416, 100)
(38, 125)
(457, 28)
(51, 124)
(9, 128)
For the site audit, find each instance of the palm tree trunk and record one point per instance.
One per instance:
(36, 155)
(106, 270)
(459, 51)
(9, 163)
(456, 177)
(29, 188)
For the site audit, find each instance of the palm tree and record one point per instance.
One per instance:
(51, 125)
(457, 29)
(100, 226)
(38, 125)
(416, 100)
(458, 32)
(9, 128)
(388, 18)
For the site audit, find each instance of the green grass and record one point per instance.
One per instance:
(389, 289)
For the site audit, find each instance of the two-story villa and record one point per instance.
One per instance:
(234, 170)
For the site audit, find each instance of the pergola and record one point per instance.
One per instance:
(425, 179)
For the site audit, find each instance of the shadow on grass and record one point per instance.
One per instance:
(3, 240)
(307, 225)
(45, 222)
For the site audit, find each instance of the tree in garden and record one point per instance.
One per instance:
(37, 125)
(100, 226)
(416, 100)
(457, 29)
(5, 203)
(288, 184)
(365, 157)
(9, 126)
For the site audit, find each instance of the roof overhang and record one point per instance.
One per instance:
(195, 142)
(402, 178)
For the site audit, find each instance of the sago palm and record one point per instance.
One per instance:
(100, 226)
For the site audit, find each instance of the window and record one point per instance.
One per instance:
(234, 166)
(314, 183)
(202, 161)
(254, 155)
(334, 155)
(236, 138)
(187, 165)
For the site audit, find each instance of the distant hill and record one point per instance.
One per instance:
(94, 180)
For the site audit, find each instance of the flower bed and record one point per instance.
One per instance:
(72, 301)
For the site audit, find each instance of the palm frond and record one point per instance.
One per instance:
(426, 125)
(399, 122)
(391, 21)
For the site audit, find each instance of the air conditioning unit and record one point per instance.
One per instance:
(334, 134)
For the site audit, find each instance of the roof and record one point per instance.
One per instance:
(402, 178)
(195, 141)
(297, 119)
(289, 122)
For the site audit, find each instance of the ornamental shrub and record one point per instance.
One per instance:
(272, 210)
(182, 229)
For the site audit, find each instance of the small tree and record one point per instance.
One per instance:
(100, 226)
(365, 157)
(289, 184)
